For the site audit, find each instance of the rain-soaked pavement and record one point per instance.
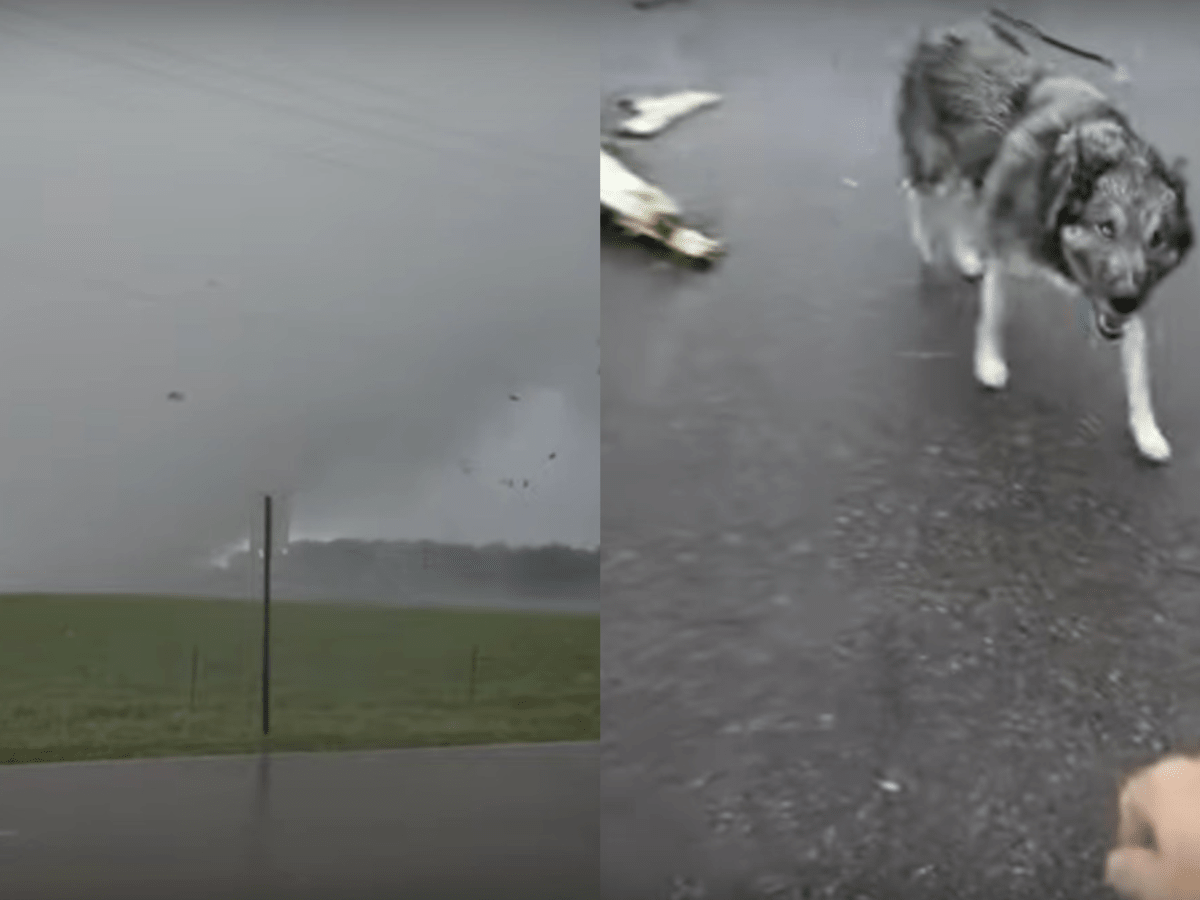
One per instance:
(514, 822)
(868, 630)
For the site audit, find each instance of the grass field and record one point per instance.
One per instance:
(107, 677)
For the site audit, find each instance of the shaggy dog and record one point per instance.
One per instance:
(1034, 172)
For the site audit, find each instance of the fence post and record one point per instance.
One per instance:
(474, 664)
(195, 666)
(266, 649)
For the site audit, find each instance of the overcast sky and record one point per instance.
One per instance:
(349, 237)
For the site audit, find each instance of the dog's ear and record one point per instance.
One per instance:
(1060, 176)
(1179, 224)
(1178, 170)
(1081, 155)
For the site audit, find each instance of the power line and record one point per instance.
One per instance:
(244, 73)
(407, 141)
(392, 91)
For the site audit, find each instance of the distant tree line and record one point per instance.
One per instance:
(398, 570)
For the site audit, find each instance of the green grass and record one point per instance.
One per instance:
(108, 677)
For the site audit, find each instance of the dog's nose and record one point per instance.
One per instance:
(1124, 305)
(1125, 274)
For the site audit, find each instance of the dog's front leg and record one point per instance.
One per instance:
(964, 236)
(916, 202)
(990, 368)
(1146, 434)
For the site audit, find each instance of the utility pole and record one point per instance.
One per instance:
(266, 654)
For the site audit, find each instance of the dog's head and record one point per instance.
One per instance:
(1117, 215)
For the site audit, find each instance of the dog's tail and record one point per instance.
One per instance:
(1031, 29)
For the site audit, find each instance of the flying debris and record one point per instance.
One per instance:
(175, 396)
(553, 455)
(513, 397)
(525, 483)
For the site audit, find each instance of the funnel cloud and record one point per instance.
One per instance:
(253, 248)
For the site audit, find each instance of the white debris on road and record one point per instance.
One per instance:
(653, 114)
(644, 209)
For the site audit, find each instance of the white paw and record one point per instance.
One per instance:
(1150, 442)
(967, 261)
(990, 369)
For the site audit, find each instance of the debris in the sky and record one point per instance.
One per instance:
(554, 454)
(653, 114)
(650, 4)
(513, 397)
(525, 483)
(508, 482)
(850, 182)
(643, 209)
(175, 396)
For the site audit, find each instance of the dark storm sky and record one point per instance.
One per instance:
(347, 236)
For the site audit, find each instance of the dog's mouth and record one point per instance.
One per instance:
(1110, 325)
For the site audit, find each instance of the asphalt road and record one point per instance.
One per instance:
(489, 823)
(869, 631)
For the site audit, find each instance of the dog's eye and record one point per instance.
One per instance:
(1108, 228)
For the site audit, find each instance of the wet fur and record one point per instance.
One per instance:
(1157, 856)
(1012, 168)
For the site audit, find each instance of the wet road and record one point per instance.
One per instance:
(868, 630)
(503, 823)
